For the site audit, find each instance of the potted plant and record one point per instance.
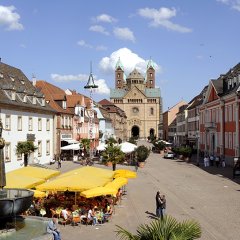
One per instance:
(142, 153)
(25, 148)
(113, 155)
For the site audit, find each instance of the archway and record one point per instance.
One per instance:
(151, 132)
(135, 131)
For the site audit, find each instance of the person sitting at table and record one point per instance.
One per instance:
(108, 212)
(91, 216)
(66, 214)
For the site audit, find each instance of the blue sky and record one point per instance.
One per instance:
(190, 41)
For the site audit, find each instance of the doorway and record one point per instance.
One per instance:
(135, 131)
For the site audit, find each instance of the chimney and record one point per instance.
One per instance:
(34, 80)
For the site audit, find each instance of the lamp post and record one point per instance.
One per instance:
(2, 164)
(91, 86)
(197, 139)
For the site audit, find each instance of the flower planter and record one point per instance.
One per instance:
(109, 164)
(141, 164)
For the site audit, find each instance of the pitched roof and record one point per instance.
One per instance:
(13, 79)
(106, 102)
(53, 94)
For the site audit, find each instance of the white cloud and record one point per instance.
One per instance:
(235, 4)
(82, 43)
(124, 34)
(162, 18)
(105, 18)
(98, 28)
(129, 59)
(102, 87)
(101, 48)
(67, 78)
(9, 18)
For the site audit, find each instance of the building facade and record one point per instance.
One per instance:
(169, 122)
(25, 116)
(219, 116)
(139, 98)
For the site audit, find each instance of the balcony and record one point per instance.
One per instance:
(209, 125)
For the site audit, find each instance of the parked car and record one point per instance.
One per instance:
(169, 155)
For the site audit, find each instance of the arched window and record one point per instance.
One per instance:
(151, 111)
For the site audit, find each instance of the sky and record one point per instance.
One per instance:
(189, 41)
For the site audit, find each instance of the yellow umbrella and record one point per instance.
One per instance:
(15, 181)
(124, 173)
(36, 172)
(117, 183)
(93, 171)
(38, 194)
(99, 191)
(74, 183)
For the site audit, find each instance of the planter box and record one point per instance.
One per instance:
(141, 164)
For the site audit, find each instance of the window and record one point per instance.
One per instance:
(19, 156)
(135, 110)
(234, 112)
(39, 124)
(230, 140)
(118, 75)
(30, 124)
(82, 112)
(19, 123)
(8, 122)
(48, 147)
(39, 148)
(234, 140)
(151, 111)
(226, 139)
(230, 113)
(48, 124)
(151, 81)
(64, 104)
(226, 113)
(7, 152)
(151, 74)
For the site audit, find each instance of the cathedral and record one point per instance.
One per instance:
(141, 101)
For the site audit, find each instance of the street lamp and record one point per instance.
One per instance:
(2, 164)
(197, 138)
(91, 86)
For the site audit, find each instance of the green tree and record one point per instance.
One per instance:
(85, 144)
(25, 148)
(113, 154)
(142, 153)
(111, 141)
(167, 228)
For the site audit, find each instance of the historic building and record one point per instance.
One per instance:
(25, 116)
(219, 116)
(169, 122)
(139, 98)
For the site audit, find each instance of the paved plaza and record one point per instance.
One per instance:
(191, 192)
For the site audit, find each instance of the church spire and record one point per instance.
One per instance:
(119, 64)
(150, 63)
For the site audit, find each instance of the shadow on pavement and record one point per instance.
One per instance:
(151, 215)
(226, 172)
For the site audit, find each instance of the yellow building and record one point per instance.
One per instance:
(141, 101)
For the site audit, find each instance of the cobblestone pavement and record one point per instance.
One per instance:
(191, 192)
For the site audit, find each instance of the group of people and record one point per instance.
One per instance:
(213, 160)
(160, 205)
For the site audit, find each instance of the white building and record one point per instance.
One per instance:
(25, 116)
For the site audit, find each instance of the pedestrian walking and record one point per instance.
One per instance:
(211, 160)
(217, 160)
(164, 202)
(158, 205)
(59, 161)
(206, 161)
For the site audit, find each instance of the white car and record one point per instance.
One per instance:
(169, 155)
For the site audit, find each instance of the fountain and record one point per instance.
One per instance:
(14, 202)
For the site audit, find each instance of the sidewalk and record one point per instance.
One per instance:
(226, 172)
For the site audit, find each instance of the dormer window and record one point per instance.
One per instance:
(22, 81)
(229, 84)
(64, 104)
(13, 95)
(1, 75)
(25, 98)
(12, 78)
(34, 100)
